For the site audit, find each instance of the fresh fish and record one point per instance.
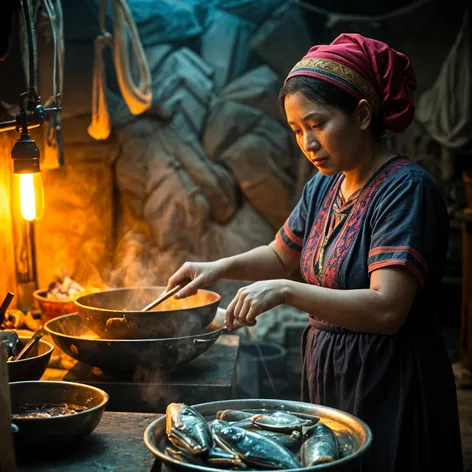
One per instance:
(307, 431)
(253, 448)
(221, 458)
(321, 447)
(245, 424)
(346, 444)
(187, 429)
(280, 421)
(290, 441)
(233, 415)
(182, 455)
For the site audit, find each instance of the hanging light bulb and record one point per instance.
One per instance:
(27, 181)
(30, 195)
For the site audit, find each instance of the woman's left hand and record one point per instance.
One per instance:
(253, 300)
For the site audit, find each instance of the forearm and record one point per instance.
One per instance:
(364, 310)
(260, 263)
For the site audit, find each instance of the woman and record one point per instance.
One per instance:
(370, 235)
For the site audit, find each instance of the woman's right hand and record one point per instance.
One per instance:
(200, 274)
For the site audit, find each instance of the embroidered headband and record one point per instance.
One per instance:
(339, 75)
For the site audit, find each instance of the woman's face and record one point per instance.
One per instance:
(329, 138)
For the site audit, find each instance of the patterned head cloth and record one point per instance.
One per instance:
(366, 68)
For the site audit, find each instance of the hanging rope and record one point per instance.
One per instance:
(138, 97)
(53, 10)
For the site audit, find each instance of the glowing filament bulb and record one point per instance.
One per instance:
(27, 197)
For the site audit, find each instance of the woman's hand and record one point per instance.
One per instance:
(253, 300)
(200, 274)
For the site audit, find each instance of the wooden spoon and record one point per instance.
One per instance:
(164, 296)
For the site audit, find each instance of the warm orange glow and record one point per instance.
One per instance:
(31, 195)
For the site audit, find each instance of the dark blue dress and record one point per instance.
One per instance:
(402, 385)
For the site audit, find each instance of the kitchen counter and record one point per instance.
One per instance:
(116, 445)
(210, 377)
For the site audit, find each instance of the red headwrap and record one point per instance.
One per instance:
(366, 68)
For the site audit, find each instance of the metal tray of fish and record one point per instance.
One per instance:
(257, 434)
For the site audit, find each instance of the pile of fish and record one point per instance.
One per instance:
(242, 440)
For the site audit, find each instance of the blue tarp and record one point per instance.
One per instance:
(158, 21)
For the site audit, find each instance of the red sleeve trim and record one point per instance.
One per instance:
(285, 248)
(295, 239)
(401, 262)
(409, 250)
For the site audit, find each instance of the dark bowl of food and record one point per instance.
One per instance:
(32, 367)
(51, 416)
(258, 434)
(116, 314)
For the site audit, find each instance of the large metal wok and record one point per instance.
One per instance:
(115, 314)
(72, 335)
(352, 432)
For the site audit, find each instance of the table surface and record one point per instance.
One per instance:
(210, 377)
(116, 445)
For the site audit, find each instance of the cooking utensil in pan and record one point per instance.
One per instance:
(116, 314)
(163, 297)
(29, 345)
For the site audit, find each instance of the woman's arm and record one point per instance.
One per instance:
(382, 308)
(261, 263)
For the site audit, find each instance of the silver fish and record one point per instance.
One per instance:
(253, 448)
(221, 458)
(245, 424)
(290, 441)
(182, 455)
(233, 415)
(281, 421)
(346, 444)
(187, 429)
(321, 447)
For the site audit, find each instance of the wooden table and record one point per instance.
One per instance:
(116, 445)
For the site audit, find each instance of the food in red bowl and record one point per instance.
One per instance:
(51, 308)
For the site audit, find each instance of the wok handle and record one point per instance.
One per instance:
(213, 338)
(198, 342)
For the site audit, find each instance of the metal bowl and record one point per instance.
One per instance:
(49, 435)
(72, 335)
(115, 314)
(33, 366)
(349, 429)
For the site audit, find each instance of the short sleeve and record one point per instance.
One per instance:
(407, 225)
(290, 236)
